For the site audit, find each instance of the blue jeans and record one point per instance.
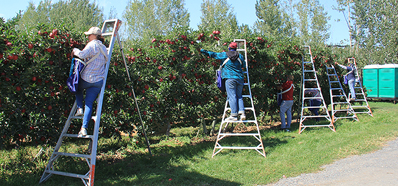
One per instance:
(286, 107)
(92, 91)
(234, 89)
(351, 85)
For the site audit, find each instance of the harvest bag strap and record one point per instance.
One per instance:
(95, 57)
(226, 62)
(287, 90)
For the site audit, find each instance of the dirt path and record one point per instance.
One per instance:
(379, 168)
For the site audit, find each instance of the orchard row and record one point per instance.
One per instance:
(173, 82)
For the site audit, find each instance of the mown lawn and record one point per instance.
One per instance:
(184, 159)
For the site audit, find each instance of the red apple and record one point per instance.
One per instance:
(30, 45)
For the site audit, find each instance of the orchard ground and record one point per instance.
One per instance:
(184, 158)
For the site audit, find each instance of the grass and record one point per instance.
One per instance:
(184, 159)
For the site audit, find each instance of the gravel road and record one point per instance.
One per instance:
(379, 168)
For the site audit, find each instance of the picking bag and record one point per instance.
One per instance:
(76, 67)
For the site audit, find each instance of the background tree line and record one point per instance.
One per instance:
(373, 24)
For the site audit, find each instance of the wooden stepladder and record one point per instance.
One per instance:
(310, 83)
(109, 28)
(338, 97)
(224, 123)
(363, 107)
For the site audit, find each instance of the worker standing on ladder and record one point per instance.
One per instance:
(232, 72)
(350, 77)
(287, 103)
(92, 76)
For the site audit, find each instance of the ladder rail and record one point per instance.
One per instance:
(314, 78)
(350, 110)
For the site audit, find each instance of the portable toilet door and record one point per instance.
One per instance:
(371, 80)
(388, 74)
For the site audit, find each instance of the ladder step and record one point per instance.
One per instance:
(338, 95)
(311, 88)
(246, 96)
(360, 100)
(309, 107)
(358, 106)
(76, 117)
(334, 81)
(310, 79)
(68, 174)
(336, 89)
(240, 121)
(107, 34)
(308, 71)
(306, 62)
(335, 103)
(312, 98)
(332, 74)
(73, 155)
(229, 147)
(343, 110)
(242, 50)
(345, 117)
(319, 116)
(79, 136)
(239, 134)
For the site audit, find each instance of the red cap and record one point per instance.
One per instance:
(233, 45)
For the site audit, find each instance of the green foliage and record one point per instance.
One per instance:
(218, 15)
(79, 15)
(149, 18)
(272, 21)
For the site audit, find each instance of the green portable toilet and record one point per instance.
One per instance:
(371, 80)
(388, 82)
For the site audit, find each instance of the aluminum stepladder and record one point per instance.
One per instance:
(338, 97)
(109, 28)
(360, 94)
(221, 133)
(309, 80)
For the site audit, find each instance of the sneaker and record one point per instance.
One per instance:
(287, 130)
(242, 117)
(232, 118)
(83, 132)
(79, 112)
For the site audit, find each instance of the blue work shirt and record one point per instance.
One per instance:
(232, 68)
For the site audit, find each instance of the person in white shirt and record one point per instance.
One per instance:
(92, 77)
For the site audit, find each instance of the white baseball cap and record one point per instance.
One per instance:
(94, 30)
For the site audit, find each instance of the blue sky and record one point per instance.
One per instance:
(244, 10)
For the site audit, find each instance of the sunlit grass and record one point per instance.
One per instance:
(185, 158)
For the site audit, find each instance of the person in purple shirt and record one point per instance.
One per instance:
(350, 77)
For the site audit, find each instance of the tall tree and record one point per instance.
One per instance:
(272, 20)
(218, 15)
(147, 18)
(313, 22)
(79, 15)
(376, 28)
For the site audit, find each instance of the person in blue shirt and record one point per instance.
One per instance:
(233, 74)
(350, 77)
